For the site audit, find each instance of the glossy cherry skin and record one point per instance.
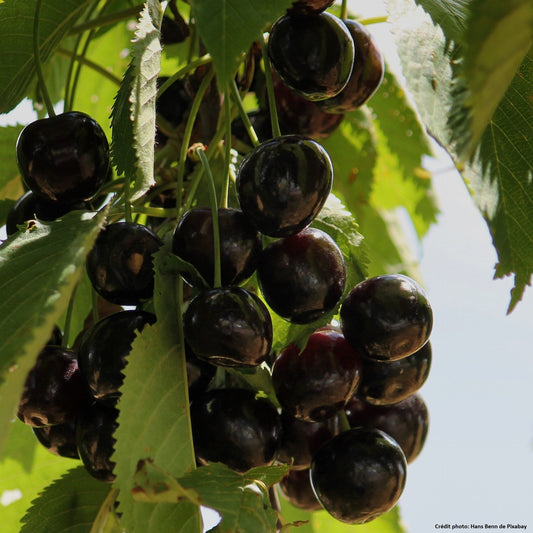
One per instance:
(228, 327)
(407, 422)
(366, 76)
(301, 439)
(313, 54)
(59, 440)
(309, 6)
(297, 489)
(240, 244)
(54, 390)
(283, 184)
(95, 440)
(387, 317)
(233, 427)
(316, 383)
(31, 207)
(359, 475)
(120, 265)
(388, 382)
(302, 277)
(64, 158)
(104, 349)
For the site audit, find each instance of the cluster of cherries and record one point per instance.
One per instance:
(349, 416)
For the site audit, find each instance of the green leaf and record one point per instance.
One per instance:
(16, 41)
(38, 271)
(146, 58)
(242, 506)
(154, 413)
(450, 15)
(229, 27)
(497, 38)
(8, 143)
(67, 505)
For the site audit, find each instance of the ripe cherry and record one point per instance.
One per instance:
(60, 439)
(228, 327)
(387, 317)
(313, 54)
(297, 489)
(407, 422)
(104, 349)
(302, 277)
(64, 158)
(366, 76)
(283, 184)
(316, 383)
(120, 265)
(310, 6)
(359, 475)
(240, 244)
(234, 427)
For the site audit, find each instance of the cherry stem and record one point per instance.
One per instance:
(38, 63)
(227, 150)
(374, 20)
(193, 65)
(344, 10)
(343, 420)
(106, 20)
(200, 152)
(191, 119)
(276, 132)
(68, 318)
(244, 115)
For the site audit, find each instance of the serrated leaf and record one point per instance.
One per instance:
(67, 505)
(229, 27)
(146, 58)
(242, 505)
(8, 143)
(450, 15)
(16, 41)
(154, 413)
(38, 271)
(497, 38)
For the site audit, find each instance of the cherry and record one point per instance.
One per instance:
(310, 6)
(359, 475)
(104, 349)
(387, 317)
(199, 373)
(297, 489)
(64, 158)
(316, 383)
(234, 427)
(312, 53)
(240, 244)
(120, 265)
(59, 440)
(95, 441)
(301, 439)
(283, 183)
(388, 382)
(228, 327)
(407, 422)
(54, 391)
(302, 277)
(366, 76)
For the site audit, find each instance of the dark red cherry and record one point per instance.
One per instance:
(120, 265)
(31, 207)
(104, 349)
(387, 317)
(283, 184)
(240, 244)
(64, 158)
(388, 382)
(312, 54)
(310, 6)
(233, 427)
(359, 475)
(302, 277)
(94, 437)
(316, 383)
(407, 422)
(297, 489)
(228, 327)
(54, 390)
(301, 439)
(59, 440)
(366, 76)
(199, 373)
